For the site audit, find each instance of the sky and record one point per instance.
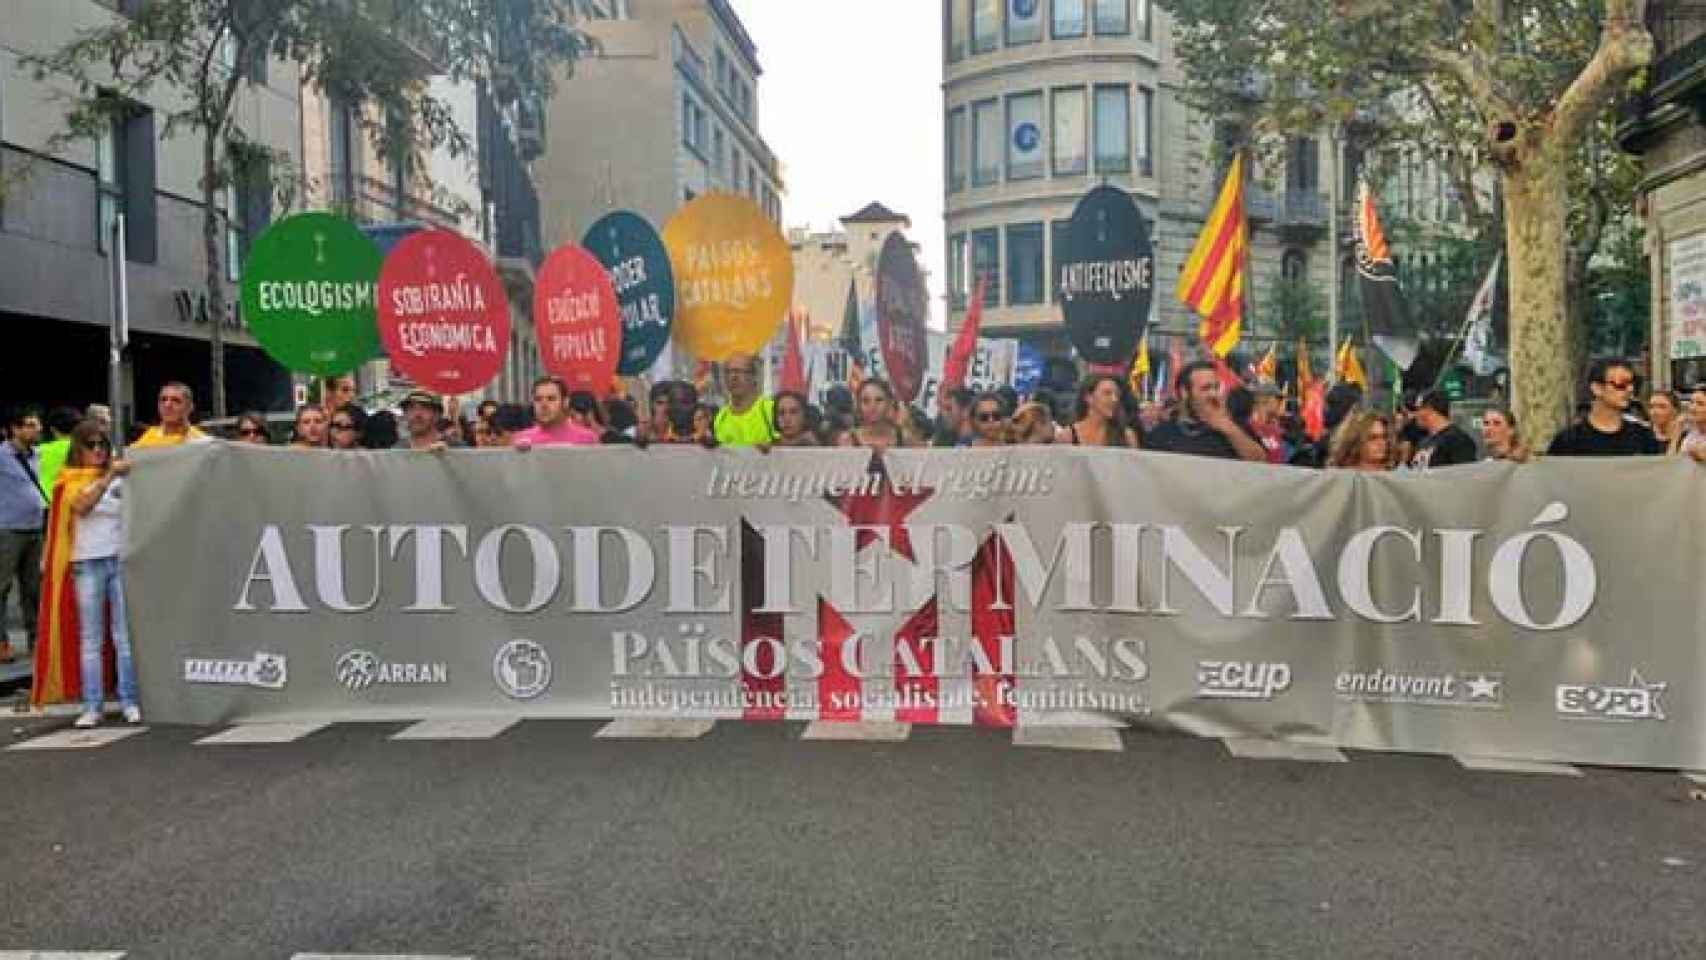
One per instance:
(851, 102)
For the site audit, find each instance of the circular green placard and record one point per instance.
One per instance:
(309, 290)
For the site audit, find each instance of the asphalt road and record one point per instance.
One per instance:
(544, 842)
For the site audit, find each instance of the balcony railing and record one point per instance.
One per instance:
(1303, 208)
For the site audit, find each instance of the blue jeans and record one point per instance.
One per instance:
(99, 590)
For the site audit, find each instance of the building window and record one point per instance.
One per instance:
(985, 25)
(1294, 265)
(986, 143)
(956, 149)
(1303, 169)
(1025, 136)
(1145, 28)
(344, 156)
(125, 171)
(1113, 129)
(1058, 232)
(1025, 263)
(1024, 21)
(1145, 131)
(957, 292)
(687, 195)
(717, 149)
(1113, 16)
(1069, 147)
(958, 14)
(1068, 19)
(986, 264)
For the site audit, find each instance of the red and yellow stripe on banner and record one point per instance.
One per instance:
(1212, 281)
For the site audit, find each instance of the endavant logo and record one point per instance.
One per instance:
(1429, 689)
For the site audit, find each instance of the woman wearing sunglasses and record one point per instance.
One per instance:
(252, 428)
(989, 423)
(82, 557)
(345, 428)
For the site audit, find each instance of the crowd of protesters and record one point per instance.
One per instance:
(62, 479)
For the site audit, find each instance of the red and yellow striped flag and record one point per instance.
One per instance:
(1139, 378)
(1212, 282)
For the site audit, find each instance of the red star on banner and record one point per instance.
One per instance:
(885, 508)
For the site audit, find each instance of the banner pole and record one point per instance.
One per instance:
(119, 334)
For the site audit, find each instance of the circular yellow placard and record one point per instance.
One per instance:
(734, 276)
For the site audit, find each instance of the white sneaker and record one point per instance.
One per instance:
(133, 714)
(87, 720)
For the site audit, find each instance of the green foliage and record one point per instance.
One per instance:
(1294, 309)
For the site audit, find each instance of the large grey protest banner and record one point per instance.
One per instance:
(1542, 611)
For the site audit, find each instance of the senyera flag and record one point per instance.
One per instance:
(443, 313)
(1212, 281)
(577, 319)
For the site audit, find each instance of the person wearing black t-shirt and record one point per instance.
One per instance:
(1445, 444)
(1203, 428)
(1604, 432)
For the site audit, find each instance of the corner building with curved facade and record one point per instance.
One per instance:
(1045, 99)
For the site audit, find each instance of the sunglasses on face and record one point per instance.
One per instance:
(249, 432)
(988, 416)
(342, 425)
(100, 445)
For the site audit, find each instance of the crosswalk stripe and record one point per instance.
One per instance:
(246, 733)
(1255, 749)
(1104, 739)
(77, 740)
(879, 731)
(1505, 765)
(642, 729)
(61, 955)
(453, 728)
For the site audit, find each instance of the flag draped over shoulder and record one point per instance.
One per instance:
(1212, 281)
(58, 669)
(1382, 302)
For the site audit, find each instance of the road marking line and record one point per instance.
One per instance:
(880, 731)
(467, 728)
(372, 956)
(1255, 749)
(647, 729)
(1104, 739)
(1506, 765)
(247, 733)
(62, 955)
(77, 740)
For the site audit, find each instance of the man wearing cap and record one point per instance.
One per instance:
(421, 412)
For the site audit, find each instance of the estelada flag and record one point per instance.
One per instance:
(958, 362)
(1212, 281)
(1304, 376)
(1268, 369)
(58, 666)
(849, 338)
(1348, 368)
(1140, 368)
(1377, 278)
